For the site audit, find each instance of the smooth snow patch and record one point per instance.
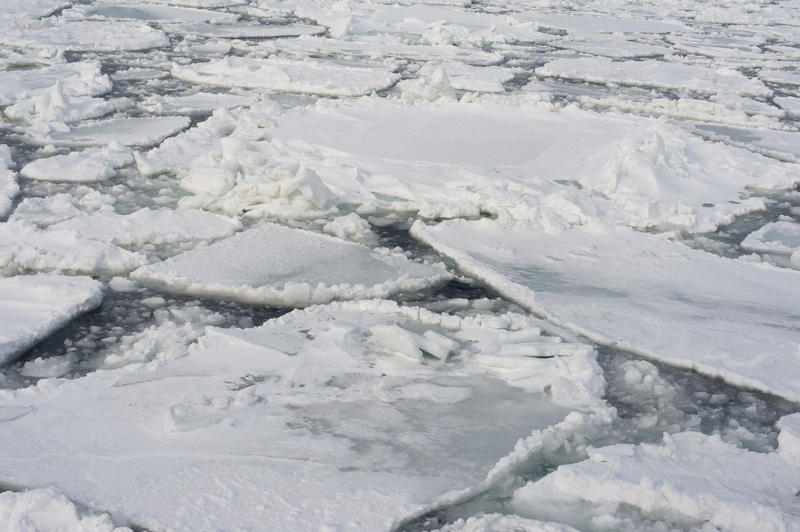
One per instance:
(32, 307)
(275, 265)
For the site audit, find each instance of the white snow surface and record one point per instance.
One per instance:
(316, 399)
(50, 510)
(642, 293)
(33, 306)
(690, 481)
(93, 164)
(276, 265)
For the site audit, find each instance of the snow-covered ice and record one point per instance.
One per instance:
(642, 293)
(34, 306)
(776, 237)
(77, 79)
(50, 509)
(8, 181)
(93, 164)
(276, 265)
(93, 35)
(144, 132)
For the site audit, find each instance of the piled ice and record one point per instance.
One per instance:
(8, 181)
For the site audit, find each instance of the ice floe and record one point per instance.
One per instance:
(776, 237)
(93, 164)
(35, 306)
(77, 79)
(50, 509)
(93, 35)
(142, 132)
(650, 73)
(642, 293)
(689, 482)
(149, 12)
(312, 77)
(8, 181)
(321, 396)
(276, 265)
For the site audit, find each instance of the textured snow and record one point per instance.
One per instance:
(312, 77)
(94, 164)
(315, 398)
(650, 73)
(34, 306)
(690, 481)
(277, 265)
(642, 293)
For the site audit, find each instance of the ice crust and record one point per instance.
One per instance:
(34, 306)
(691, 481)
(276, 265)
(643, 293)
(314, 398)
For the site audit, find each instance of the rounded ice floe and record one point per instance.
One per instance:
(777, 237)
(689, 481)
(77, 79)
(275, 265)
(94, 164)
(106, 36)
(148, 226)
(126, 131)
(309, 76)
(317, 396)
(54, 105)
(34, 306)
(661, 74)
(8, 181)
(50, 509)
(24, 248)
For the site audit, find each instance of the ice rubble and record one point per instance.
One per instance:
(321, 398)
(642, 293)
(34, 306)
(54, 105)
(94, 164)
(651, 73)
(276, 265)
(8, 181)
(690, 481)
(308, 76)
(50, 509)
(777, 237)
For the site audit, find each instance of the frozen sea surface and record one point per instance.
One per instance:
(390, 265)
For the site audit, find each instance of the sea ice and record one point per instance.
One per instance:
(690, 481)
(77, 79)
(194, 103)
(782, 145)
(49, 509)
(55, 106)
(651, 73)
(777, 237)
(24, 248)
(783, 77)
(312, 77)
(93, 164)
(106, 36)
(276, 265)
(240, 30)
(789, 104)
(317, 398)
(44, 212)
(642, 293)
(150, 12)
(34, 306)
(8, 181)
(148, 226)
(142, 132)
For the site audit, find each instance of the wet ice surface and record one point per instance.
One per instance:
(167, 138)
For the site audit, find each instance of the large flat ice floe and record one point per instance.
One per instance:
(643, 293)
(32, 307)
(692, 481)
(659, 74)
(312, 77)
(93, 35)
(143, 132)
(461, 159)
(276, 265)
(364, 412)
